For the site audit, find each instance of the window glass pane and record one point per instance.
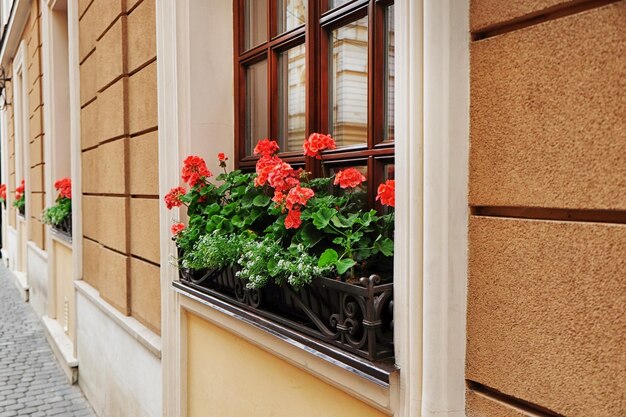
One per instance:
(291, 14)
(255, 14)
(336, 3)
(390, 172)
(390, 74)
(347, 81)
(256, 105)
(292, 98)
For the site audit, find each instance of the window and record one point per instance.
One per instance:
(317, 66)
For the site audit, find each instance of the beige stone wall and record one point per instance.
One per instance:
(35, 143)
(117, 48)
(546, 327)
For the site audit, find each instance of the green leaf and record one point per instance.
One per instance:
(310, 235)
(343, 265)
(261, 200)
(238, 221)
(342, 222)
(212, 209)
(329, 257)
(385, 246)
(322, 217)
(272, 267)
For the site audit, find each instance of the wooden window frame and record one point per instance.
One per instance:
(376, 152)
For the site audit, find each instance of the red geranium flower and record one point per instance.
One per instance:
(292, 221)
(3, 191)
(20, 188)
(264, 166)
(177, 228)
(349, 178)
(172, 198)
(64, 187)
(282, 177)
(195, 170)
(266, 147)
(222, 157)
(387, 193)
(316, 143)
(298, 196)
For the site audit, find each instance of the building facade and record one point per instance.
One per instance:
(503, 123)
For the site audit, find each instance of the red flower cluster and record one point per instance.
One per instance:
(64, 187)
(172, 198)
(19, 191)
(195, 170)
(222, 158)
(177, 228)
(3, 191)
(316, 143)
(281, 176)
(266, 147)
(349, 178)
(387, 193)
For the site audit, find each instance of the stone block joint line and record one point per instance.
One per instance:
(31, 382)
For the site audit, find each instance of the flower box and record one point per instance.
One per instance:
(65, 226)
(357, 318)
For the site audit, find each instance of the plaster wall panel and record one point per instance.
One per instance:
(118, 375)
(107, 11)
(144, 164)
(547, 127)
(144, 228)
(89, 125)
(479, 405)
(142, 99)
(34, 68)
(110, 56)
(37, 205)
(35, 124)
(36, 151)
(130, 4)
(145, 293)
(111, 115)
(36, 179)
(112, 217)
(88, 79)
(88, 32)
(546, 320)
(90, 170)
(113, 283)
(35, 43)
(91, 266)
(217, 359)
(37, 272)
(112, 168)
(141, 34)
(91, 216)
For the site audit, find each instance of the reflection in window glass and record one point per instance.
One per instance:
(292, 98)
(336, 3)
(390, 74)
(291, 14)
(255, 14)
(348, 83)
(256, 105)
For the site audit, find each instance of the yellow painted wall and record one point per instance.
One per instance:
(63, 277)
(228, 376)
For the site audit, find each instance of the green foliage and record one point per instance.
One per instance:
(20, 203)
(58, 212)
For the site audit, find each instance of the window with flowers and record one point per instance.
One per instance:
(317, 66)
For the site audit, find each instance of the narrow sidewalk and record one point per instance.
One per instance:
(31, 381)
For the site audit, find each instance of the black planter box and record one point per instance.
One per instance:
(357, 318)
(65, 226)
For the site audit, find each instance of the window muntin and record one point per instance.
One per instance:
(290, 14)
(304, 92)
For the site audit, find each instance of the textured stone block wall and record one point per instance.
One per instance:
(546, 326)
(117, 48)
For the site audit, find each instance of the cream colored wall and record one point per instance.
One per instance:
(63, 272)
(227, 376)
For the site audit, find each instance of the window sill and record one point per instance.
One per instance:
(373, 383)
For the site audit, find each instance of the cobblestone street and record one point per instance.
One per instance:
(31, 382)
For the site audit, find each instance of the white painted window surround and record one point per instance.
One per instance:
(432, 122)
